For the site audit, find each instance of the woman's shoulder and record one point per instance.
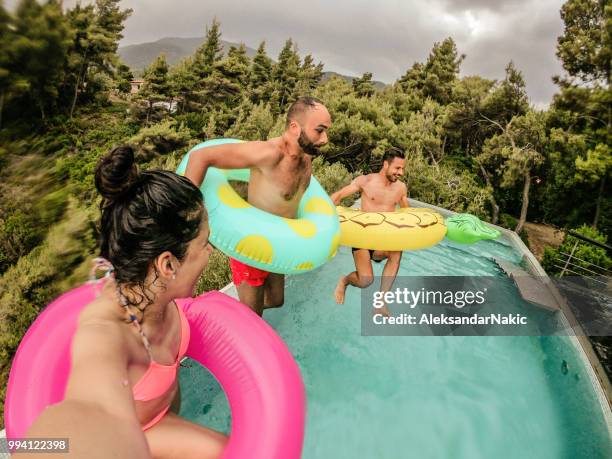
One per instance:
(99, 324)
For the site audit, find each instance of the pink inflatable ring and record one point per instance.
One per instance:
(264, 388)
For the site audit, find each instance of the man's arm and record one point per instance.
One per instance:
(229, 156)
(404, 199)
(354, 187)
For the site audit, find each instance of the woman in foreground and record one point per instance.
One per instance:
(129, 341)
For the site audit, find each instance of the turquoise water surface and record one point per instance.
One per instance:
(422, 397)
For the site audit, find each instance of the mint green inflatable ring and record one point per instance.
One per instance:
(263, 240)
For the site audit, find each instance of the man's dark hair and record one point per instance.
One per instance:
(392, 153)
(300, 106)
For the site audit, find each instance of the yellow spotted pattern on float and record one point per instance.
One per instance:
(302, 227)
(304, 266)
(318, 205)
(256, 247)
(230, 198)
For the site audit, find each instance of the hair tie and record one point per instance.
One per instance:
(103, 265)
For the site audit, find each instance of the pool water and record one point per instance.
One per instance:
(422, 397)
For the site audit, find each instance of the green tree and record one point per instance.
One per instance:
(516, 152)
(182, 80)
(124, 77)
(441, 71)
(595, 168)
(223, 88)
(436, 77)
(583, 106)
(205, 61)
(464, 124)
(363, 86)
(209, 53)
(260, 88)
(585, 48)
(156, 87)
(254, 122)
(42, 38)
(285, 73)
(309, 77)
(507, 99)
(98, 28)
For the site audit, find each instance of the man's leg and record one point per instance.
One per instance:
(388, 276)
(274, 291)
(361, 278)
(252, 296)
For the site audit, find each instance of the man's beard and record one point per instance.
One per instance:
(391, 177)
(307, 145)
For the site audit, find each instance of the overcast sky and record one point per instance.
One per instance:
(384, 37)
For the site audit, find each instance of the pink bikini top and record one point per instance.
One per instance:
(158, 378)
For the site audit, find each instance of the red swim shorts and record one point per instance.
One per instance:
(253, 276)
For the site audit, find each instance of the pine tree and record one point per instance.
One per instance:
(98, 31)
(441, 71)
(124, 76)
(309, 77)
(435, 78)
(508, 99)
(183, 82)
(222, 89)
(285, 73)
(209, 53)
(40, 50)
(156, 87)
(260, 88)
(363, 86)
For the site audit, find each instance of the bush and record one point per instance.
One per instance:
(253, 123)
(587, 253)
(216, 275)
(332, 177)
(20, 232)
(509, 222)
(160, 138)
(446, 186)
(37, 278)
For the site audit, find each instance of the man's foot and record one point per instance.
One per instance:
(340, 290)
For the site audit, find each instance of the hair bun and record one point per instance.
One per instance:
(116, 173)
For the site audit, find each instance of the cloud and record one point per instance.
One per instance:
(384, 37)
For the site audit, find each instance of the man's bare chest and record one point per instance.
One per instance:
(290, 178)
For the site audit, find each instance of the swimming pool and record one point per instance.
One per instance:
(425, 397)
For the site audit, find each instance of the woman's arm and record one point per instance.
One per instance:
(97, 415)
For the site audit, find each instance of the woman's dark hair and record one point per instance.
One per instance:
(143, 215)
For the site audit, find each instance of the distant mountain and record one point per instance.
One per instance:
(137, 57)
